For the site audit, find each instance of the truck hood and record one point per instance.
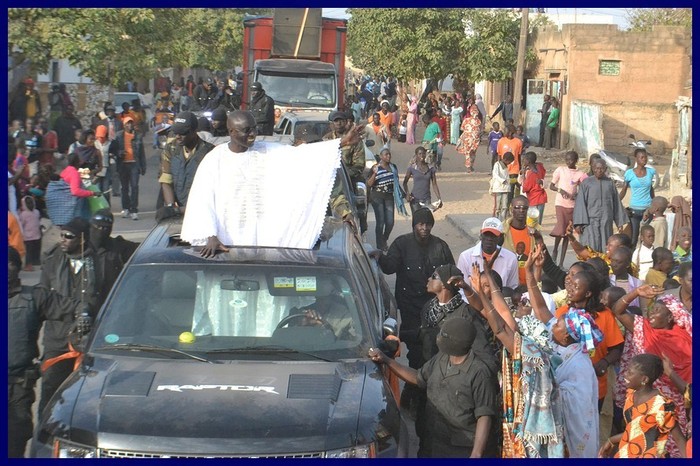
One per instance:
(242, 406)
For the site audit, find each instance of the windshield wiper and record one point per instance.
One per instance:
(153, 348)
(267, 349)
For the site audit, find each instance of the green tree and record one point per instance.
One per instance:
(472, 44)
(642, 19)
(113, 45)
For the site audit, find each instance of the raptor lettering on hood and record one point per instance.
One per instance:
(233, 388)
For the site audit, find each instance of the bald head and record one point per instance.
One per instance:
(242, 129)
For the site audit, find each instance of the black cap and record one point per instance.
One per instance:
(77, 226)
(256, 85)
(337, 115)
(110, 107)
(184, 123)
(445, 272)
(423, 215)
(219, 115)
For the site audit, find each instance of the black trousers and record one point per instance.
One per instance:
(19, 418)
(53, 378)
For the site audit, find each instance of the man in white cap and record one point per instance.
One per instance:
(503, 261)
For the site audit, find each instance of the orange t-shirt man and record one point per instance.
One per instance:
(612, 336)
(515, 147)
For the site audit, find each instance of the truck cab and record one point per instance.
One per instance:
(299, 58)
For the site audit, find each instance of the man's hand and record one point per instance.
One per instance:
(352, 136)
(375, 254)
(212, 247)
(376, 355)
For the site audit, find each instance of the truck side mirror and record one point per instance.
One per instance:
(390, 327)
(361, 196)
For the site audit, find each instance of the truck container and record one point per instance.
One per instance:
(298, 56)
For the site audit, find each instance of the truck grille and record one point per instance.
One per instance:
(103, 453)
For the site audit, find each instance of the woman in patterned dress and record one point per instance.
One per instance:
(471, 135)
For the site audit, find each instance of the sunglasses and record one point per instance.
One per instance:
(67, 235)
(102, 218)
(435, 276)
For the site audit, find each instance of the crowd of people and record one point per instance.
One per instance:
(509, 354)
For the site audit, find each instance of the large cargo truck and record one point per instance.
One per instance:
(299, 58)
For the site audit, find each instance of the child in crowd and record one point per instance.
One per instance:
(662, 266)
(650, 416)
(657, 220)
(500, 186)
(21, 161)
(494, 136)
(620, 261)
(403, 129)
(533, 183)
(520, 134)
(642, 255)
(30, 220)
(681, 250)
(565, 182)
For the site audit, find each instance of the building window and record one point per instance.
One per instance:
(609, 68)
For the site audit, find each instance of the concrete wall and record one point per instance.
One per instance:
(654, 72)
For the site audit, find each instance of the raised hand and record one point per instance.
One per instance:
(649, 291)
(475, 278)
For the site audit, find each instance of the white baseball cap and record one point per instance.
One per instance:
(492, 225)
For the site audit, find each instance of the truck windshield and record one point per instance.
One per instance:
(300, 91)
(229, 307)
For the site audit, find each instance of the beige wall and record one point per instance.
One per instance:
(654, 71)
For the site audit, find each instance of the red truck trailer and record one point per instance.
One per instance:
(298, 56)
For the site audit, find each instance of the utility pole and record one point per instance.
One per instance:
(520, 67)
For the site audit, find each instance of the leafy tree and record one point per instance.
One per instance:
(113, 45)
(642, 19)
(471, 44)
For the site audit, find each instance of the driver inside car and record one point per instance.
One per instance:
(328, 309)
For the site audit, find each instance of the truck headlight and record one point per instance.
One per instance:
(360, 451)
(63, 448)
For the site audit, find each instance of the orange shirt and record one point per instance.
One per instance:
(514, 146)
(128, 149)
(612, 336)
(14, 234)
(520, 236)
(386, 120)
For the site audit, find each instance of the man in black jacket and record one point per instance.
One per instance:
(413, 257)
(73, 269)
(101, 224)
(27, 308)
(263, 108)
